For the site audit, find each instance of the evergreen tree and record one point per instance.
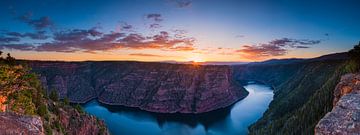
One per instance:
(54, 95)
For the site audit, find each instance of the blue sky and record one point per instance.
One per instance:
(200, 30)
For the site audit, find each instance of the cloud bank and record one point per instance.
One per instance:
(93, 40)
(277, 47)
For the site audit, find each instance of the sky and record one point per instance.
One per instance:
(177, 30)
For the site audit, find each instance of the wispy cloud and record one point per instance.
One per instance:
(155, 17)
(182, 3)
(92, 40)
(23, 47)
(8, 39)
(239, 36)
(38, 24)
(277, 47)
(39, 35)
(145, 55)
(123, 26)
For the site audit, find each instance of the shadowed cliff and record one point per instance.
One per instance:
(303, 91)
(156, 87)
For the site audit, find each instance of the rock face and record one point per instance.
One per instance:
(344, 119)
(156, 87)
(76, 123)
(13, 124)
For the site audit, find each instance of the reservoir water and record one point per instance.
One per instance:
(233, 120)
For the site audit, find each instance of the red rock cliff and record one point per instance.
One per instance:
(156, 87)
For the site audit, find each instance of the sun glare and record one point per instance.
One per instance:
(196, 59)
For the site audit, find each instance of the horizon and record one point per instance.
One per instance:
(185, 62)
(177, 30)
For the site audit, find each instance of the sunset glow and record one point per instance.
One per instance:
(196, 59)
(167, 30)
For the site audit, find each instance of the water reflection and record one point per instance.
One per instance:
(231, 120)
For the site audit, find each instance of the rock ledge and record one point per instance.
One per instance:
(344, 119)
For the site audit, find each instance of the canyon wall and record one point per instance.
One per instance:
(156, 87)
(345, 116)
(303, 92)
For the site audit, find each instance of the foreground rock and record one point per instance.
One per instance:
(344, 119)
(78, 123)
(156, 87)
(13, 124)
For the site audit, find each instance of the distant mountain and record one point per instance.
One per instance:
(278, 61)
(206, 63)
(334, 56)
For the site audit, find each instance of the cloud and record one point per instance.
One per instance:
(145, 55)
(262, 50)
(92, 40)
(155, 17)
(8, 39)
(39, 35)
(75, 35)
(163, 40)
(182, 3)
(24, 47)
(125, 26)
(38, 24)
(277, 47)
(239, 36)
(154, 26)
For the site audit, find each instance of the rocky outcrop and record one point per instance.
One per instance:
(76, 123)
(73, 123)
(344, 119)
(14, 124)
(156, 87)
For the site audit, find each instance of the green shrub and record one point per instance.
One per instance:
(48, 129)
(355, 57)
(42, 110)
(22, 102)
(54, 96)
(66, 101)
(79, 108)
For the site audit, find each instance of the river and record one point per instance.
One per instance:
(233, 120)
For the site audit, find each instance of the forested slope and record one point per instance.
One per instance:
(303, 92)
(25, 107)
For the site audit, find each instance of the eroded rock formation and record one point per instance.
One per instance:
(344, 119)
(13, 124)
(76, 123)
(156, 87)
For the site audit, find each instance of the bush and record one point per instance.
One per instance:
(42, 110)
(79, 108)
(355, 56)
(48, 129)
(54, 96)
(22, 102)
(66, 101)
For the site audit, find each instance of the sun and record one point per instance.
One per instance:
(196, 59)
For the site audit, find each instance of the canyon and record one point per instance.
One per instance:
(155, 87)
(303, 88)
